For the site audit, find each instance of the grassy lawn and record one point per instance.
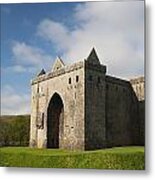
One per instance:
(114, 158)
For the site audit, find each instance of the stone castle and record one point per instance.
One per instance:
(80, 107)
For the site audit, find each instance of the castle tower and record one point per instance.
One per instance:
(94, 102)
(66, 106)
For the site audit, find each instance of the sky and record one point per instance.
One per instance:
(33, 35)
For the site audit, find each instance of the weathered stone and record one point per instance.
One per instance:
(58, 64)
(80, 107)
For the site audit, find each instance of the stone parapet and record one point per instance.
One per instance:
(59, 72)
(117, 81)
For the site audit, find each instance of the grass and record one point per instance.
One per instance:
(131, 158)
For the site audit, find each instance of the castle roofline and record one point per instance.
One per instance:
(93, 58)
(116, 80)
(58, 64)
(58, 72)
(42, 72)
(68, 69)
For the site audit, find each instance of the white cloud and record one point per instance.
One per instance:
(13, 102)
(54, 32)
(26, 55)
(17, 68)
(116, 29)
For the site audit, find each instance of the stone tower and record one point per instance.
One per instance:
(80, 107)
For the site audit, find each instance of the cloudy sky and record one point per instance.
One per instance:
(32, 35)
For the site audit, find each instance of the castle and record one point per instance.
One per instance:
(80, 107)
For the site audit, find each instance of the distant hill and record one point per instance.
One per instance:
(8, 118)
(14, 130)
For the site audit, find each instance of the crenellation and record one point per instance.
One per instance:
(59, 72)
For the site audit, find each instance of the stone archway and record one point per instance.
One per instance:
(55, 119)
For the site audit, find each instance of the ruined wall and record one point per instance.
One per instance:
(138, 85)
(94, 106)
(122, 126)
(69, 84)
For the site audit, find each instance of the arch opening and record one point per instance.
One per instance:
(55, 119)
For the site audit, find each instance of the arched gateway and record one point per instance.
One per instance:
(55, 119)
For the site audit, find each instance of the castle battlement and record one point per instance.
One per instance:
(58, 72)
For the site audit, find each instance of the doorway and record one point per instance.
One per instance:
(55, 119)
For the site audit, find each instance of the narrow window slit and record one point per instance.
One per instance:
(77, 78)
(69, 81)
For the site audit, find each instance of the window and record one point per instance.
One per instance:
(42, 120)
(69, 81)
(77, 78)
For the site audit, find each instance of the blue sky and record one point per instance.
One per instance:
(19, 22)
(32, 35)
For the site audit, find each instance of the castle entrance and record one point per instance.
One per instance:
(55, 118)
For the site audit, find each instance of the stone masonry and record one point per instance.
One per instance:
(80, 107)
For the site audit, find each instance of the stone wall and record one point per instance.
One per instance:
(141, 105)
(122, 126)
(69, 84)
(138, 85)
(94, 106)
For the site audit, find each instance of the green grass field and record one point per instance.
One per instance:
(131, 158)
